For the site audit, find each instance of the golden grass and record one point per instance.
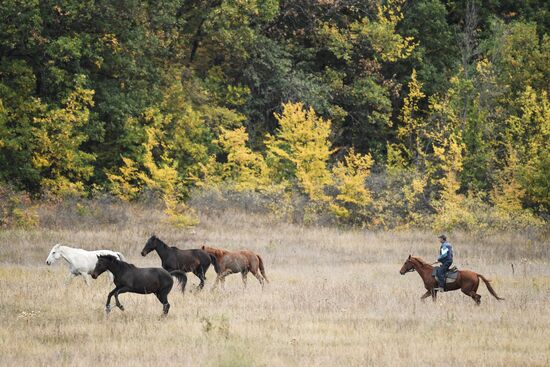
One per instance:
(335, 298)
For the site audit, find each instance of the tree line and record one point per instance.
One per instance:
(380, 113)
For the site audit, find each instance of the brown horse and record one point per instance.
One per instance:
(228, 262)
(467, 281)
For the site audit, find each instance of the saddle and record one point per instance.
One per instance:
(450, 275)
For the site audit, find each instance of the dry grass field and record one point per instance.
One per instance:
(336, 298)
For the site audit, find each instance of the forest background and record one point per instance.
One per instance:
(393, 114)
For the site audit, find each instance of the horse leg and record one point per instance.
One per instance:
(219, 280)
(216, 282)
(469, 288)
(425, 295)
(121, 290)
(69, 278)
(259, 277)
(222, 276)
(471, 293)
(477, 298)
(244, 274)
(200, 274)
(434, 294)
(108, 304)
(162, 296)
(86, 277)
(222, 279)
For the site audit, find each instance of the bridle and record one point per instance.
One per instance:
(410, 270)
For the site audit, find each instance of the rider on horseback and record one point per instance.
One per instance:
(446, 259)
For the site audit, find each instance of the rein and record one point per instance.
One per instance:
(413, 269)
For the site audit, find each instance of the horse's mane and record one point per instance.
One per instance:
(55, 247)
(107, 257)
(422, 262)
(59, 246)
(114, 259)
(154, 237)
(215, 250)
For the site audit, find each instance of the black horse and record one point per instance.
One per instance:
(129, 278)
(195, 260)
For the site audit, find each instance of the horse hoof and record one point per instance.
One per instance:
(107, 309)
(121, 307)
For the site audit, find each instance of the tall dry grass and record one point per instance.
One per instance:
(335, 298)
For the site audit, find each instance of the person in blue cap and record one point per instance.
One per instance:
(446, 259)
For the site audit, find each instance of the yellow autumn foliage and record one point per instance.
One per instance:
(382, 33)
(410, 133)
(350, 176)
(297, 159)
(158, 175)
(245, 169)
(450, 206)
(407, 159)
(125, 184)
(508, 194)
(301, 150)
(58, 135)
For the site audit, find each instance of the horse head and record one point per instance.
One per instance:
(407, 267)
(55, 254)
(150, 245)
(103, 264)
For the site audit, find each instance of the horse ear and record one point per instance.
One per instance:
(409, 256)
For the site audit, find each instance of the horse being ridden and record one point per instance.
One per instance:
(194, 260)
(228, 262)
(467, 281)
(129, 278)
(81, 262)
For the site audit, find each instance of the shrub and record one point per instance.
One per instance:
(16, 209)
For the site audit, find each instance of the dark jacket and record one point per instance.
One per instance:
(445, 253)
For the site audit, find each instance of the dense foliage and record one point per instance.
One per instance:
(381, 113)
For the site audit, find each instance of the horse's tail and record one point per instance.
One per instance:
(121, 257)
(214, 262)
(262, 269)
(489, 287)
(182, 278)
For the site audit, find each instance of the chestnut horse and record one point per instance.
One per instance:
(243, 261)
(467, 281)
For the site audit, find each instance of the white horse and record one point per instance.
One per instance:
(81, 262)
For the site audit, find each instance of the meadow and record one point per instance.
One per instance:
(335, 297)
